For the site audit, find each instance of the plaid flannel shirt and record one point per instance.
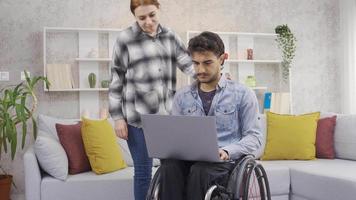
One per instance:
(143, 73)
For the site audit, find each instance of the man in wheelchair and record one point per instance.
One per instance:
(236, 109)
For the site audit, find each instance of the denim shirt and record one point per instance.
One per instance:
(236, 110)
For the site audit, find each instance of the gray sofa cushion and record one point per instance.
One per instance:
(278, 178)
(115, 185)
(280, 197)
(296, 197)
(324, 179)
(118, 185)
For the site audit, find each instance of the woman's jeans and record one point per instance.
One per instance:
(142, 163)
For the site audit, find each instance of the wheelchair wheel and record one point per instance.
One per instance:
(248, 181)
(255, 184)
(153, 190)
(263, 182)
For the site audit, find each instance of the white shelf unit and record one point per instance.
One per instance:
(78, 90)
(87, 50)
(94, 59)
(266, 57)
(252, 61)
(260, 88)
(255, 35)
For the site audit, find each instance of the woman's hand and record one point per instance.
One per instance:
(223, 155)
(121, 129)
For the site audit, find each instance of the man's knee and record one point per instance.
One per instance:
(170, 164)
(200, 169)
(210, 171)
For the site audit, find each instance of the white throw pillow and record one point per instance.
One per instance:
(51, 156)
(47, 124)
(345, 137)
(49, 151)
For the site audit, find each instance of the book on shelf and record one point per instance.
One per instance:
(60, 76)
(280, 103)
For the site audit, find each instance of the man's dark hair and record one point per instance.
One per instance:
(206, 41)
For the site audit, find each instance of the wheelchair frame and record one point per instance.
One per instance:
(235, 189)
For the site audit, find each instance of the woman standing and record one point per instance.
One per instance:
(145, 58)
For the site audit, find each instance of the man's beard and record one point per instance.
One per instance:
(212, 79)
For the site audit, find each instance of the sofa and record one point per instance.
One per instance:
(289, 179)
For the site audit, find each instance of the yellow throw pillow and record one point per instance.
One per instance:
(291, 137)
(100, 145)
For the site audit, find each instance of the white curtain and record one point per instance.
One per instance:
(348, 56)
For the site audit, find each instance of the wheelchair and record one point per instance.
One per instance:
(248, 180)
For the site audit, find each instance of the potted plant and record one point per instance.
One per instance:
(16, 110)
(92, 80)
(287, 44)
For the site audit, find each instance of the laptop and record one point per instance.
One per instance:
(191, 138)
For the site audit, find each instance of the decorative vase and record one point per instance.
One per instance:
(92, 80)
(5, 186)
(250, 81)
(249, 54)
(105, 83)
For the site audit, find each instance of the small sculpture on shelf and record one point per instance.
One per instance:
(93, 53)
(92, 80)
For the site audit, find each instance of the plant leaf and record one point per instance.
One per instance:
(13, 110)
(34, 127)
(4, 140)
(1, 141)
(48, 84)
(24, 131)
(22, 108)
(28, 80)
(34, 81)
(18, 111)
(13, 142)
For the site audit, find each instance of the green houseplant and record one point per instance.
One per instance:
(17, 106)
(287, 44)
